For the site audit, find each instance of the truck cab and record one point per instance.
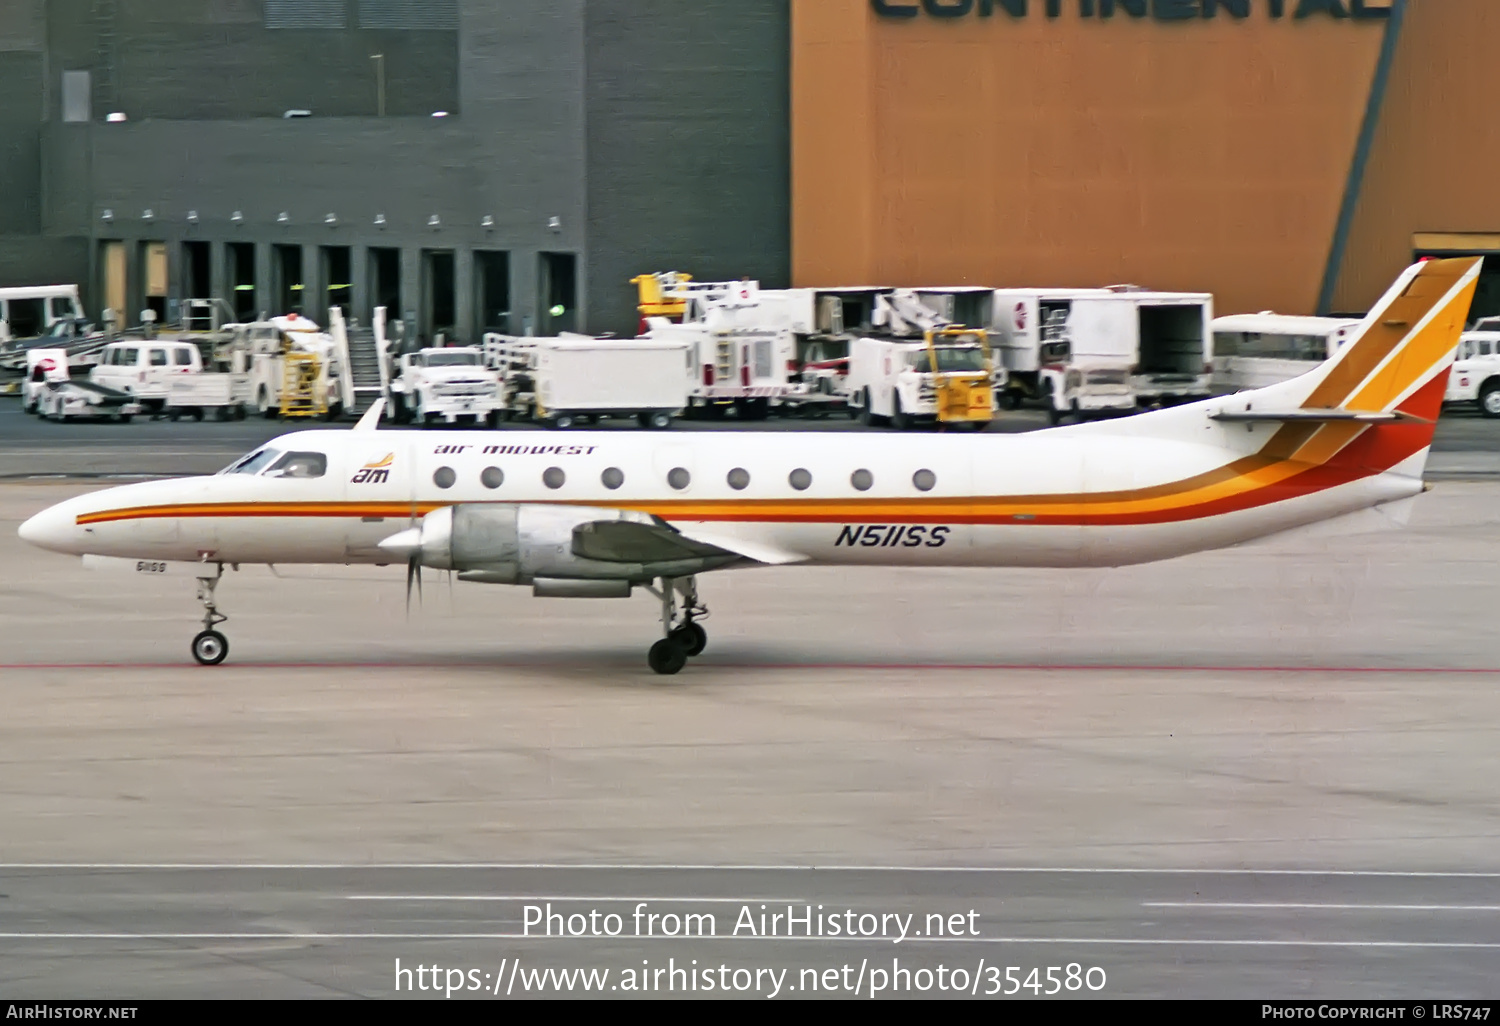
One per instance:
(946, 377)
(445, 385)
(1476, 372)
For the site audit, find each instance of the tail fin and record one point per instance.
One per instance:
(1401, 355)
(1374, 406)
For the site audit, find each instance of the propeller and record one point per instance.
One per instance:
(413, 573)
(425, 543)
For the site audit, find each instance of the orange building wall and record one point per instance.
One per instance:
(1204, 155)
(1435, 165)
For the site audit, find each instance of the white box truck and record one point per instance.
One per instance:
(576, 380)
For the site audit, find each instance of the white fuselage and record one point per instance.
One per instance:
(931, 500)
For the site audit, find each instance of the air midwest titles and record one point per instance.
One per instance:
(1160, 10)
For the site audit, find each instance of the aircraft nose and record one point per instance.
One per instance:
(53, 528)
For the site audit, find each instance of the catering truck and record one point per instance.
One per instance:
(571, 380)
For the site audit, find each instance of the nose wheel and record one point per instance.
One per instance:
(210, 647)
(685, 636)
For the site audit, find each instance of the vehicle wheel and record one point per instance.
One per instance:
(659, 421)
(866, 417)
(493, 418)
(666, 657)
(1010, 400)
(198, 414)
(125, 418)
(692, 638)
(899, 420)
(1054, 415)
(173, 415)
(562, 421)
(1489, 399)
(263, 404)
(210, 648)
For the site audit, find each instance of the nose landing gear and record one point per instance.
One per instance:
(685, 637)
(210, 647)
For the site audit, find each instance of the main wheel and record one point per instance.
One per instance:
(563, 421)
(692, 637)
(659, 421)
(667, 657)
(1489, 399)
(866, 415)
(210, 648)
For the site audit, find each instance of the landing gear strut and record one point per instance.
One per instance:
(209, 646)
(685, 637)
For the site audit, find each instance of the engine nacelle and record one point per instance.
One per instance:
(523, 544)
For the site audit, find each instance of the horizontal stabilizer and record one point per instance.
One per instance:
(1316, 416)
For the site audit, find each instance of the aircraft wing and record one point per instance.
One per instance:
(626, 541)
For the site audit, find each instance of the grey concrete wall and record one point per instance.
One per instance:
(20, 142)
(216, 59)
(688, 145)
(30, 260)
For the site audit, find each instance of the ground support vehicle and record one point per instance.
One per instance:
(145, 369)
(1475, 377)
(224, 396)
(296, 369)
(43, 367)
(946, 379)
(445, 386)
(1257, 350)
(581, 380)
(85, 400)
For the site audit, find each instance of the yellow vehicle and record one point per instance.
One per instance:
(962, 394)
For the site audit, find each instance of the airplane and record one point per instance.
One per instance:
(600, 514)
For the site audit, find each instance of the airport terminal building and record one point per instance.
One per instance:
(509, 165)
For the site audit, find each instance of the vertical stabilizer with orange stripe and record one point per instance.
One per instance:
(1375, 404)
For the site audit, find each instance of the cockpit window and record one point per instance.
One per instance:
(253, 463)
(303, 465)
(452, 359)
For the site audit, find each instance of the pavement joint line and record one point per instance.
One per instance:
(1333, 907)
(560, 897)
(647, 867)
(1091, 941)
(870, 667)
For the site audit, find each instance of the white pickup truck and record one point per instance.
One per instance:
(445, 385)
(1476, 373)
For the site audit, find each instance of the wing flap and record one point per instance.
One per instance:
(1315, 416)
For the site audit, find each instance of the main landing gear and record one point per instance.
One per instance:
(209, 646)
(685, 637)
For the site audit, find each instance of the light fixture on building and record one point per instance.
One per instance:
(237, 217)
(439, 113)
(380, 221)
(283, 218)
(115, 116)
(107, 215)
(331, 219)
(434, 221)
(487, 222)
(148, 214)
(555, 224)
(192, 217)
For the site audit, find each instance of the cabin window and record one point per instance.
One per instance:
(301, 465)
(612, 478)
(1486, 348)
(739, 479)
(444, 477)
(800, 479)
(554, 478)
(182, 357)
(158, 357)
(679, 478)
(492, 477)
(129, 357)
(862, 480)
(924, 480)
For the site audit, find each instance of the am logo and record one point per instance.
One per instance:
(374, 473)
(883, 536)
